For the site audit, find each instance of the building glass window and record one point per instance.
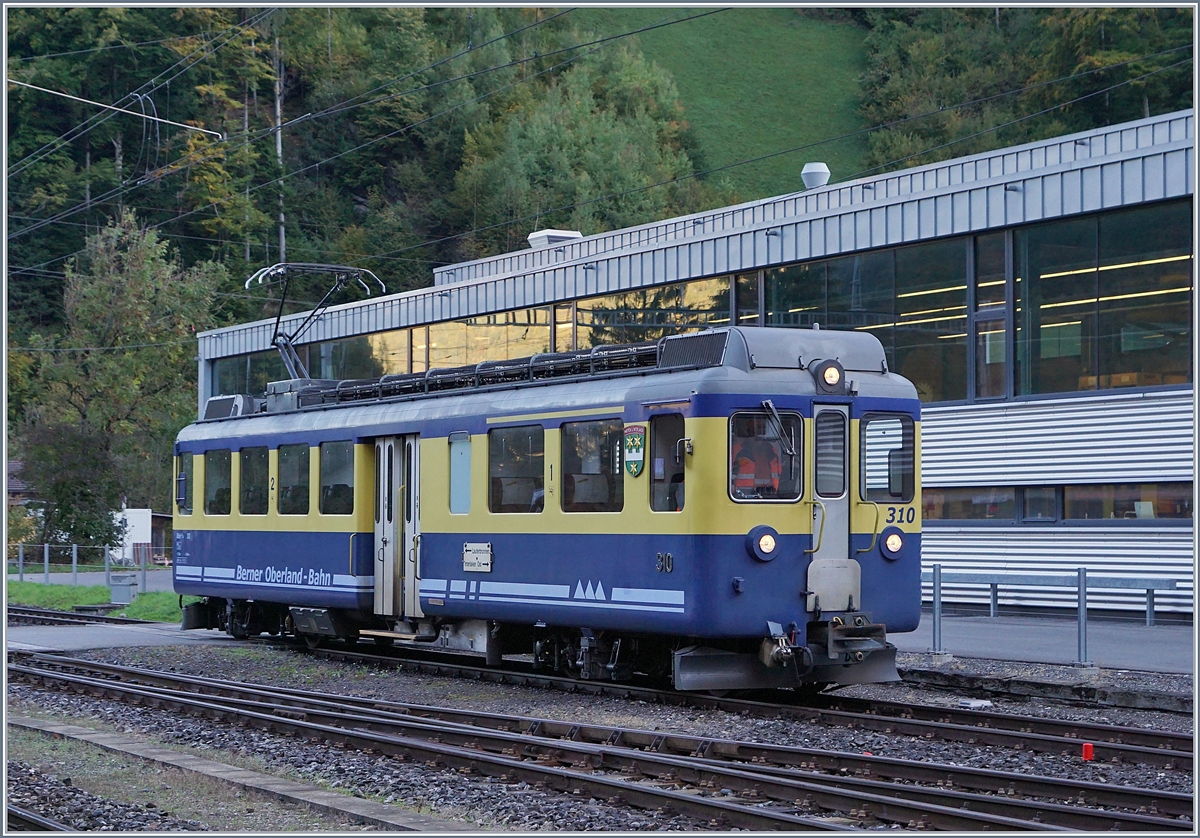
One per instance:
(652, 313)
(255, 477)
(460, 473)
(796, 295)
(931, 319)
(337, 478)
(988, 503)
(747, 300)
(1135, 501)
(489, 337)
(564, 328)
(217, 482)
(592, 478)
(1056, 307)
(861, 294)
(293, 480)
(764, 456)
(887, 458)
(1039, 503)
(666, 463)
(183, 483)
(1145, 295)
(516, 470)
(989, 273)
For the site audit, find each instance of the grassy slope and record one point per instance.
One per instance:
(755, 81)
(162, 606)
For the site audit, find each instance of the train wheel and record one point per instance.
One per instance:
(312, 641)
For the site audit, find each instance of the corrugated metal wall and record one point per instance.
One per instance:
(1112, 167)
(1083, 439)
(1112, 551)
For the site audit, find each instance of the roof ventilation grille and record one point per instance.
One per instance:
(545, 238)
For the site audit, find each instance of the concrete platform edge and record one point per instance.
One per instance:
(367, 811)
(1090, 693)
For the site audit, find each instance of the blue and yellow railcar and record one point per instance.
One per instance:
(732, 508)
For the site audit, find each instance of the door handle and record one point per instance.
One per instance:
(416, 543)
(874, 529)
(821, 532)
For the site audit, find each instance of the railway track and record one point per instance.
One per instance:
(724, 783)
(22, 820)
(51, 617)
(1111, 743)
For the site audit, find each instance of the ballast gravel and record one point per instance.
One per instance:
(58, 800)
(486, 803)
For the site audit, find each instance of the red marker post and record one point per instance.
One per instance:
(1088, 752)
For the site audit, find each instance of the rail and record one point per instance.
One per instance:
(1080, 581)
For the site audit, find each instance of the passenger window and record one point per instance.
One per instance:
(217, 482)
(183, 483)
(592, 480)
(293, 480)
(887, 458)
(460, 473)
(337, 478)
(516, 469)
(254, 477)
(764, 456)
(666, 463)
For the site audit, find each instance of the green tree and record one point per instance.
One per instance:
(119, 382)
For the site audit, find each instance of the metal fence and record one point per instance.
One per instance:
(42, 560)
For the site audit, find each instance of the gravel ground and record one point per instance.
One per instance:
(489, 804)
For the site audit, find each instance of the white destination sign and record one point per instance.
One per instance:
(477, 556)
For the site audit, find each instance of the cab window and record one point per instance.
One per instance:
(764, 456)
(183, 483)
(217, 482)
(337, 478)
(592, 480)
(293, 480)
(888, 470)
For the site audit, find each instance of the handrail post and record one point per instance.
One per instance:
(995, 604)
(75, 565)
(46, 564)
(144, 552)
(107, 565)
(20, 561)
(1082, 590)
(1149, 606)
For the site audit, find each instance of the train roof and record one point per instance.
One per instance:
(727, 360)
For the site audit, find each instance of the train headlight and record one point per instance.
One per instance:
(762, 543)
(829, 376)
(891, 543)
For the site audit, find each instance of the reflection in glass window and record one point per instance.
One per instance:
(515, 469)
(991, 359)
(489, 337)
(217, 482)
(989, 272)
(1056, 307)
(592, 478)
(764, 456)
(796, 295)
(931, 324)
(337, 478)
(992, 503)
(1145, 296)
(747, 300)
(184, 471)
(254, 479)
(652, 313)
(666, 463)
(1133, 501)
(887, 458)
(1040, 504)
(293, 480)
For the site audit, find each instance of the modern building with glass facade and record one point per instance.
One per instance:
(1040, 297)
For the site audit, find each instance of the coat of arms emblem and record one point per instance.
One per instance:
(635, 449)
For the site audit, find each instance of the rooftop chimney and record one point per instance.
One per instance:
(814, 175)
(545, 238)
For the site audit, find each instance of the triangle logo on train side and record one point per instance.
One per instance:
(635, 449)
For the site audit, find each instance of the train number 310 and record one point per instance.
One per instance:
(901, 514)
